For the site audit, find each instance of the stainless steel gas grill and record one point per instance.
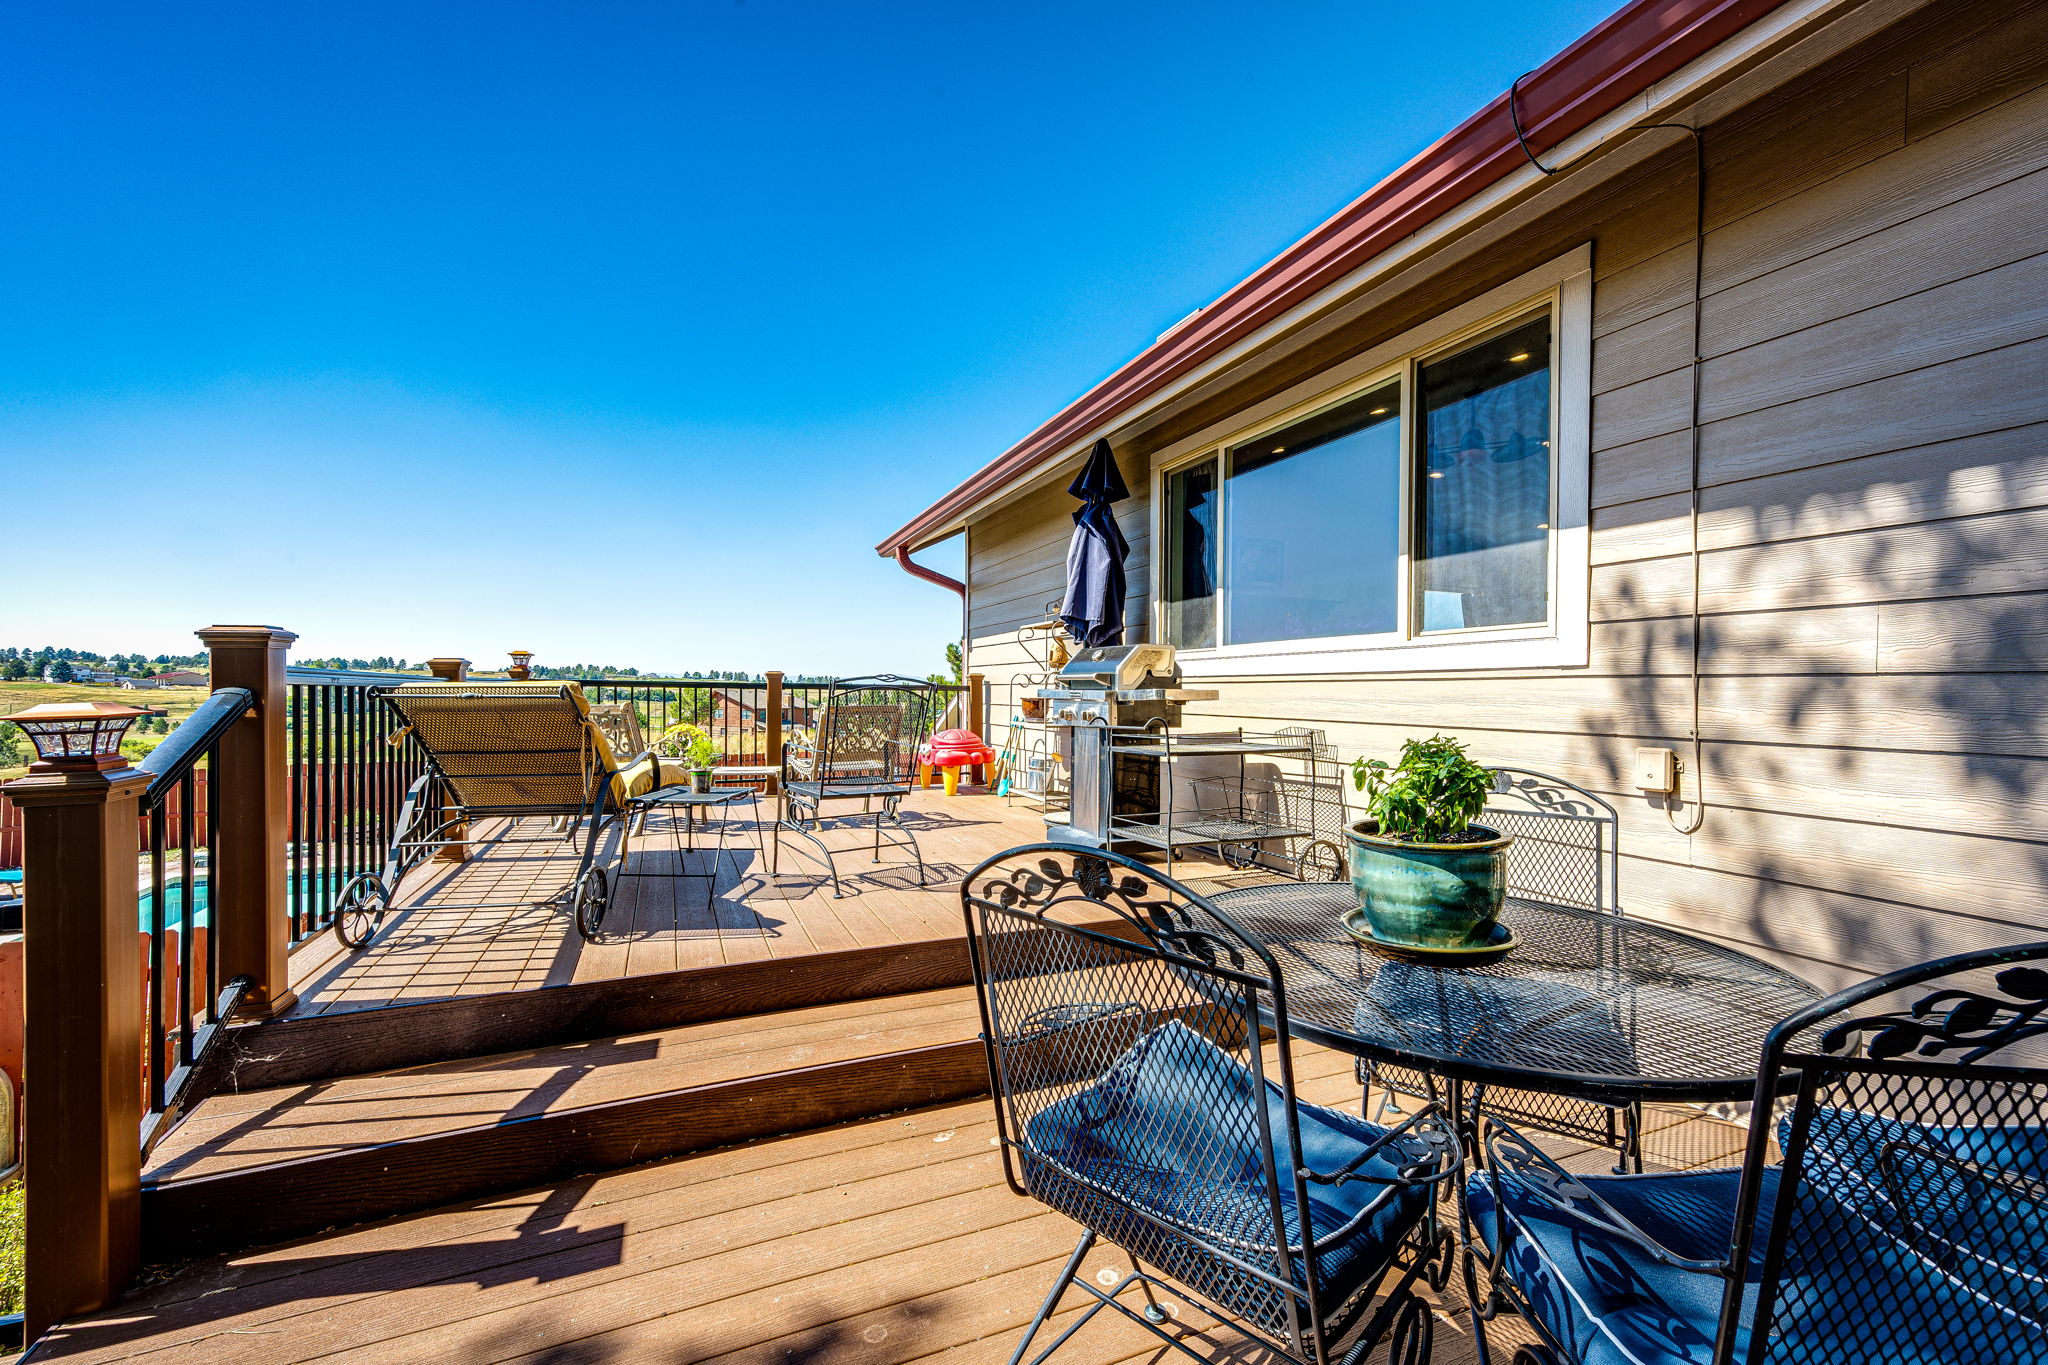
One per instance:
(1107, 694)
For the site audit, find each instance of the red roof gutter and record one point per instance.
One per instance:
(902, 553)
(1628, 52)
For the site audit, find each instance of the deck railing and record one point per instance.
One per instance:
(162, 902)
(186, 1002)
(750, 720)
(348, 781)
(134, 963)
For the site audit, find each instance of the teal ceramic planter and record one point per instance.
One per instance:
(1429, 895)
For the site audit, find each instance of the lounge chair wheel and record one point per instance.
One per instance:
(1534, 1355)
(359, 910)
(592, 899)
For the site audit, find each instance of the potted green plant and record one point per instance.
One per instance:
(697, 750)
(1425, 874)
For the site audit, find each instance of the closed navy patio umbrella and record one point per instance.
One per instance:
(1093, 612)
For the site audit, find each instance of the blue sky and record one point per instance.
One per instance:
(621, 332)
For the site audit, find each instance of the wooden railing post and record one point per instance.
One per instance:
(83, 1062)
(454, 850)
(251, 790)
(976, 719)
(771, 704)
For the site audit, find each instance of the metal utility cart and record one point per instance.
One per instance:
(1290, 822)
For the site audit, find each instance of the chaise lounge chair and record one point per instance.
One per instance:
(517, 750)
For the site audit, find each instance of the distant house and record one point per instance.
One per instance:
(744, 711)
(140, 684)
(182, 677)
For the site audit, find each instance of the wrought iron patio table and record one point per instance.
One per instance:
(1589, 1004)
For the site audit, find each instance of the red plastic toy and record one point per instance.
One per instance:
(952, 750)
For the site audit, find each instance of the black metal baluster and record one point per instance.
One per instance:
(323, 781)
(212, 842)
(188, 915)
(156, 953)
(353, 774)
(295, 855)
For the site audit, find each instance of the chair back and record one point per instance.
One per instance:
(1122, 1015)
(509, 748)
(1566, 848)
(1909, 1218)
(619, 721)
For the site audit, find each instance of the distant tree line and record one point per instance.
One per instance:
(63, 664)
(383, 663)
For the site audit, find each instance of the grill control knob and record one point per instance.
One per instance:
(1064, 713)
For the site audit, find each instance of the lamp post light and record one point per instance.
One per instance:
(519, 671)
(81, 736)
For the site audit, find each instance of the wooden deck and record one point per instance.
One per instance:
(880, 1242)
(773, 1087)
(432, 949)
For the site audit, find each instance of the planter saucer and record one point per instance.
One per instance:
(1500, 941)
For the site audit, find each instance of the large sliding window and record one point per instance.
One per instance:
(1421, 505)
(1483, 510)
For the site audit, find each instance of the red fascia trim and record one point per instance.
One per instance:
(1624, 55)
(902, 553)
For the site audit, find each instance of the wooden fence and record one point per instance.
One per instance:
(174, 822)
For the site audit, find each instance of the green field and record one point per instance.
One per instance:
(177, 703)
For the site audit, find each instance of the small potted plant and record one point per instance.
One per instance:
(697, 750)
(1426, 876)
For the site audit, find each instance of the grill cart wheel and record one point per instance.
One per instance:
(1414, 1333)
(359, 909)
(592, 897)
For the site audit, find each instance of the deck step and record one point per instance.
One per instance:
(260, 1166)
(298, 1050)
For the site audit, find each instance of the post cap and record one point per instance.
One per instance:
(228, 636)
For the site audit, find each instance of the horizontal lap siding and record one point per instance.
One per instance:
(1873, 515)
(1016, 564)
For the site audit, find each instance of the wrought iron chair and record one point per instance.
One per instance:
(1566, 851)
(518, 750)
(864, 749)
(1907, 1222)
(1122, 1015)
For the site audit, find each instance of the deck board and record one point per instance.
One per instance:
(433, 949)
(880, 1242)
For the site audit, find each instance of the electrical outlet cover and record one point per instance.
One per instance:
(1656, 770)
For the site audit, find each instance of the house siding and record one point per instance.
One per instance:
(1873, 518)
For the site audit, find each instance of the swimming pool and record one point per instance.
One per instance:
(313, 890)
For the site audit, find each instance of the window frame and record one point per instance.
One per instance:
(1564, 286)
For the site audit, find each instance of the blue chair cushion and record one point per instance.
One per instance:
(1601, 1297)
(1849, 1291)
(1171, 1127)
(1518, 1020)
(1971, 1200)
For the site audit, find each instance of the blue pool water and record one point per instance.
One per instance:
(309, 889)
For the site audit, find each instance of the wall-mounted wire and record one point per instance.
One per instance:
(1699, 257)
(1697, 767)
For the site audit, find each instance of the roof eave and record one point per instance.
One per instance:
(1622, 57)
